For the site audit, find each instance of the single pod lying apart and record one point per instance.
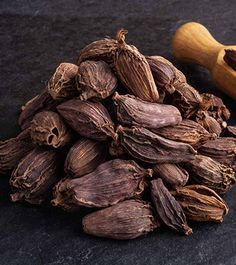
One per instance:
(187, 131)
(62, 84)
(168, 209)
(41, 102)
(222, 149)
(134, 71)
(131, 110)
(152, 148)
(165, 74)
(112, 182)
(95, 80)
(34, 176)
(103, 49)
(206, 171)
(125, 220)
(12, 150)
(172, 175)
(201, 203)
(84, 157)
(89, 119)
(47, 128)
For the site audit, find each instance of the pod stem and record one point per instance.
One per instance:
(120, 36)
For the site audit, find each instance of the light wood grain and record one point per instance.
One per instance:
(193, 43)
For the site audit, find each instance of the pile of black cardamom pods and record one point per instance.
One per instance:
(114, 125)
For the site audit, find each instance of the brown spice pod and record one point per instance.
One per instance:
(134, 71)
(125, 220)
(111, 182)
(201, 203)
(48, 129)
(89, 119)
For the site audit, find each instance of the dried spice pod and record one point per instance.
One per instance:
(215, 106)
(231, 131)
(89, 119)
(125, 220)
(230, 58)
(41, 102)
(84, 157)
(165, 74)
(62, 84)
(103, 49)
(168, 209)
(222, 150)
(12, 150)
(187, 131)
(47, 128)
(95, 80)
(111, 182)
(208, 172)
(201, 203)
(186, 99)
(172, 175)
(134, 71)
(133, 111)
(34, 176)
(180, 75)
(209, 123)
(152, 148)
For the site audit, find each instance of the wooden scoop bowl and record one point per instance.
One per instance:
(193, 43)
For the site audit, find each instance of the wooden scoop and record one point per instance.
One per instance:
(193, 43)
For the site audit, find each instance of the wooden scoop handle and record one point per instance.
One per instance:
(193, 43)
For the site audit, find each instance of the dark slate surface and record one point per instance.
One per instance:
(35, 37)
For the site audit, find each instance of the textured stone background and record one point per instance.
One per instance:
(35, 37)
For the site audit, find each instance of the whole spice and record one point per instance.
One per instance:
(84, 156)
(41, 102)
(103, 49)
(201, 203)
(96, 80)
(206, 171)
(47, 128)
(165, 74)
(230, 58)
(186, 99)
(222, 150)
(134, 71)
(34, 176)
(152, 148)
(125, 220)
(187, 131)
(165, 119)
(208, 122)
(131, 111)
(172, 175)
(89, 119)
(62, 85)
(110, 183)
(168, 209)
(12, 150)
